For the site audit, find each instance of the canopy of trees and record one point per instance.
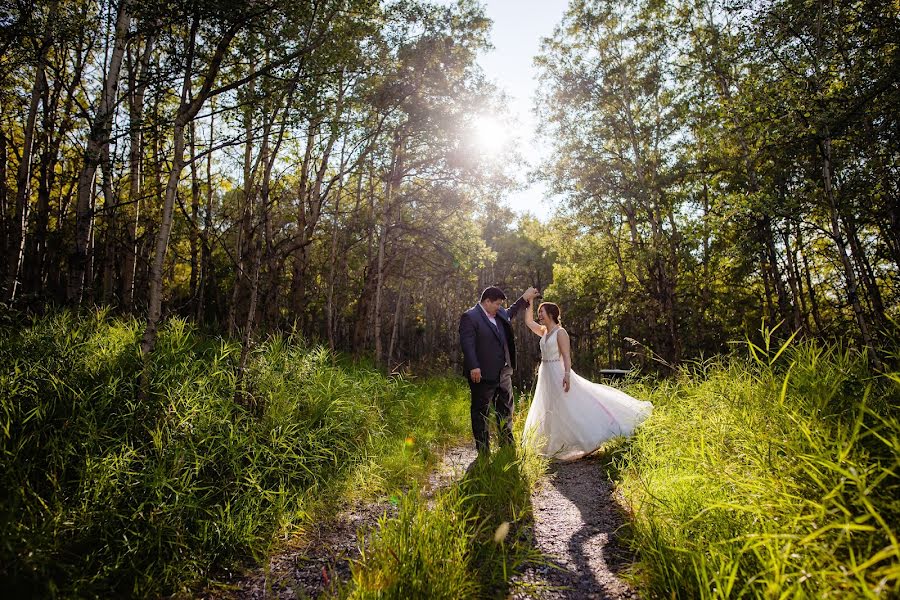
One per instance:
(725, 164)
(306, 166)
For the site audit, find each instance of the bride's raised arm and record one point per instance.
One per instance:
(529, 320)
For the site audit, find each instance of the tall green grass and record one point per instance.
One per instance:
(466, 543)
(103, 495)
(777, 476)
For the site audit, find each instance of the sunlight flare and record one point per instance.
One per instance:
(489, 134)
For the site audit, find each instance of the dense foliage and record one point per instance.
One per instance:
(284, 166)
(103, 495)
(723, 163)
(253, 166)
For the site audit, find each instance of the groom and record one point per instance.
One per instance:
(489, 357)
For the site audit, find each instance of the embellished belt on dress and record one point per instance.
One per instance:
(551, 359)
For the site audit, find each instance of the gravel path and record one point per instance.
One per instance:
(575, 521)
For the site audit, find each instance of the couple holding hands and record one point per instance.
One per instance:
(570, 417)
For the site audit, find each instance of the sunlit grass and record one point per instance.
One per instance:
(777, 476)
(467, 542)
(107, 496)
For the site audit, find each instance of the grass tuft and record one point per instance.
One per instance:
(465, 543)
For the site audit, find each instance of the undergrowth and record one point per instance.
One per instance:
(774, 476)
(104, 495)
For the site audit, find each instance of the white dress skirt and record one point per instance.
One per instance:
(570, 425)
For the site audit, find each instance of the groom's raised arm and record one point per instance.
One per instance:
(522, 302)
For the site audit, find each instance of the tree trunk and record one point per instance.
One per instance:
(794, 283)
(33, 263)
(865, 270)
(332, 259)
(97, 144)
(813, 300)
(4, 196)
(137, 86)
(248, 324)
(243, 224)
(267, 160)
(148, 340)
(16, 239)
(364, 303)
(111, 235)
(379, 284)
(195, 214)
(187, 110)
(784, 310)
(206, 275)
(298, 278)
(391, 180)
(838, 237)
(767, 287)
(400, 296)
(56, 125)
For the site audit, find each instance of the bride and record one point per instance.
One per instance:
(570, 417)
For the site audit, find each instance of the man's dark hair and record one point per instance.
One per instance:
(492, 294)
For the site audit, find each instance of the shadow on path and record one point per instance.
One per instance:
(576, 521)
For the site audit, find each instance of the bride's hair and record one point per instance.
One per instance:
(552, 311)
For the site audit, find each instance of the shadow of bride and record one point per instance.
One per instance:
(578, 521)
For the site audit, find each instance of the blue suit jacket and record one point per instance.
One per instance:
(481, 344)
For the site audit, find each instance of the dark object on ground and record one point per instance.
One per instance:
(614, 373)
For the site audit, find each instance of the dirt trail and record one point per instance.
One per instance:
(325, 554)
(575, 518)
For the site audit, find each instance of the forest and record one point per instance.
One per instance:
(268, 166)
(252, 173)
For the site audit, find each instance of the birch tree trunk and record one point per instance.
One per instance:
(97, 145)
(137, 87)
(188, 109)
(110, 234)
(16, 240)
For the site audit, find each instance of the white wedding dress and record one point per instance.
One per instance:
(569, 425)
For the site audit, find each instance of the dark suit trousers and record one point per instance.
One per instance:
(498, 394)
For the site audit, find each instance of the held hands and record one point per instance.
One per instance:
(475, 375)
(530, 294)
(565, 382)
